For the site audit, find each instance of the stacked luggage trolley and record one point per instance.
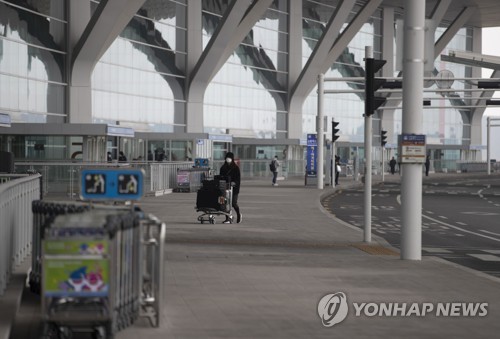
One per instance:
(97, 267)
(213, 199)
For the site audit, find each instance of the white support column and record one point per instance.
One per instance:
(320, 135)
(488, 126)
(411, 185)
(367, 234)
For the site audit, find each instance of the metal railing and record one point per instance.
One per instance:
(260, 168)
(16, 219)
(64, 177)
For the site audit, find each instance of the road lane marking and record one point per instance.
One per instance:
(492, 251)
(461, 229)
(485, 257)
(436, 250)
(398, 198)
(484, 231)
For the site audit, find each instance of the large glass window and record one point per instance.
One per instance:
(32, 60)
(447, 124)
(348, 108)
(138, 82)
(248, 93)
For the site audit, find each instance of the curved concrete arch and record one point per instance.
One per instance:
(162, 59)
(237, 21)
(108, 21)
(323, 57)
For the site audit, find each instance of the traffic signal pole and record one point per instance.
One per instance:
(367, 231)
(372, 103)
(320, 135)
(383, 137)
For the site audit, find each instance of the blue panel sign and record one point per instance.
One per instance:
(312, 140)
(5, 120)
(115, 184)
(312, 152)
(201, 162)
(120, 131)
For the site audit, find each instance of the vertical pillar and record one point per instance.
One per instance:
(79, 95)
(367, 234)
(320, 131)
(413, 70)
(294, 119)
(194, 48)
(388, 31)
(488, 127)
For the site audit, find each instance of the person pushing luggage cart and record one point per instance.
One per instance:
(231, 172)
(217, 196)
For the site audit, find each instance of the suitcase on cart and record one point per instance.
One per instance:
(214, 198)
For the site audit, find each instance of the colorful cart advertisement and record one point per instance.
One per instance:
(76, 268)
(76, 247)
(76, 278)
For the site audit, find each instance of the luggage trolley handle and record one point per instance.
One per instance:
(152, 283)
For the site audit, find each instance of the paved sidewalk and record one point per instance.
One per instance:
(263, 278)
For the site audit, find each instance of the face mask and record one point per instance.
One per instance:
(228, 160)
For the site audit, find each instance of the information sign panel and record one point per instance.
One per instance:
(412, 148)
(111, 184)
(312, 151)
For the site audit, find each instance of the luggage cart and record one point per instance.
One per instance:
(153, 247)
(91, 277)
(213, 199)
(44, 213)
(190, 179)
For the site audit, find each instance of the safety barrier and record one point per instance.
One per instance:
(64, 177)
(16, 218)
(477, 166)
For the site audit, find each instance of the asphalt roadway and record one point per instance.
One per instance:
(268, 276)
(460, 217)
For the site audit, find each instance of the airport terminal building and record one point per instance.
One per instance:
(182, 79)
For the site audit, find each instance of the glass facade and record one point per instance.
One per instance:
(345, 107)
(137, 82)
(141, 82)
(32, 60)
(247, 97)
(447, 125)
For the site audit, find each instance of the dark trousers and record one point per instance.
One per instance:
(235, 203)
(337, 177)
(275, 176)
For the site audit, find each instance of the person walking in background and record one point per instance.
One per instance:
(122, 157)
(231, 171)
(273, 166)
(427, 165)
(337, 169)
(392, 165)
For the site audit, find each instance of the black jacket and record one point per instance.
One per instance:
(232, 172)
